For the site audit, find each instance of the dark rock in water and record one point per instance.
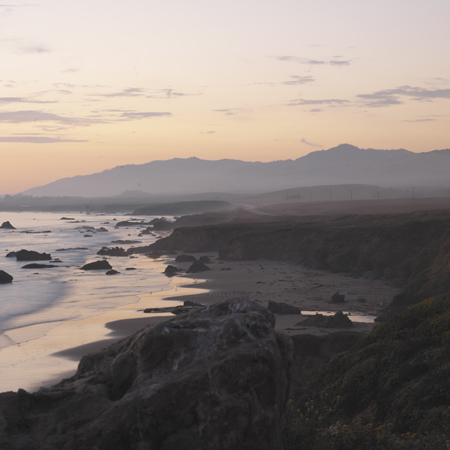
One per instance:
(337, 298)
(212, 379)
(130, 268)
(204, 259)
(7, 226)
(87, 235)
(171, 270)
(185, 258)
(339, 320)
(114, 251)
(196, 267)
(5, 277)
(38, 266)
(97, 265)
(225, 268)
(102, 230)
(148, 230)
(112, 272)
(10, 255)
(125, 241)
(361, 300)
(30, 255)
(67, 218)
(283, 308)
(71, 249)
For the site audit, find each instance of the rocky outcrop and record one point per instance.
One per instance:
(211, 379)
(112, 251)
(282, 308)
(339, 320)
(171, 270)
(197, 267)
(5, 277)
(10, 255)
(7, 226)
(97, 265)
(30, 255)
(112, 272)
(185, 258)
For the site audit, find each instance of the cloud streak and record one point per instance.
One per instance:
(37, 139)
(314, 62)
(328, 101)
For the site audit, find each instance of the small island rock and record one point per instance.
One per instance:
(7, 226)
(97, 265)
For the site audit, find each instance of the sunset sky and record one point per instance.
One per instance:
(89, 85)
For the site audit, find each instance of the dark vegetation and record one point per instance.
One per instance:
(390, 391)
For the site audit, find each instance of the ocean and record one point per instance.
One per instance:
(40, 299)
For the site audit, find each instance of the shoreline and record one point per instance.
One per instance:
(259, 281)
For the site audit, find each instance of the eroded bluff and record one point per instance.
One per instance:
(212, 379)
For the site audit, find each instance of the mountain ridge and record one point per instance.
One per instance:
(342, 164)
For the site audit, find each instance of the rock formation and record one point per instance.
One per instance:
(38, 266)
(211, 379)
(5, 277)
(196, 267)
(339, 320)
(30, 255)
(7, 226)
(114, 251)
(97, 265)
(337, 298)
(185, 258)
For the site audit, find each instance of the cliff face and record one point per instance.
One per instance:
(411, 250)
(214, 379)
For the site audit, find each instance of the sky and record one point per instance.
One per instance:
(90, 85)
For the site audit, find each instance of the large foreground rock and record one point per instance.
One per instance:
(214, 379)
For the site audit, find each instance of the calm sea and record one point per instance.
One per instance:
(66, 292)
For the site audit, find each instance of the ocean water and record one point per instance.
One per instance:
(39, 296)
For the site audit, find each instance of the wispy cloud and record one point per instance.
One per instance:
(37, 139)
(128, 92)
(71, 70)
(314, 62)
(296, 80)
(143, 115)
(168, 93)
(227, 112)
(38, 116)
(419, 120)
(7, 100)
(327, 101)
(34, 49)
(389, 97)
(304, 141)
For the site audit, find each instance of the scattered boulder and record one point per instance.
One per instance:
(185, 258)
(126, 241)
(130, 268)
(5, 277)
(212, 379)
(196, 267)
(30, 255)
(148, 230)
(7, 226)
(114, 251)
(171, 270)
(339, 320)
(67, 218)
(187, 307)
(38, 266)
(282, 308)
(10, 255)
(361, 300)
(87, 235)
(204, 259)
(112, 272)
(102, 230)
(337, 298)
(97, 265)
